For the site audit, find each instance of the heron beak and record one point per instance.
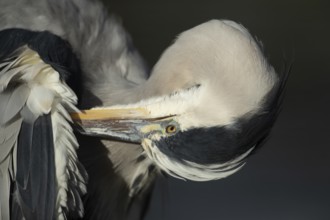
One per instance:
(128, 125)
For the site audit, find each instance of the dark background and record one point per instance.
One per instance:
(289, 179)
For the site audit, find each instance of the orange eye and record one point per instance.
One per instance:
(170, 129)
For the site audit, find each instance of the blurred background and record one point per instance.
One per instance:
(289, 178)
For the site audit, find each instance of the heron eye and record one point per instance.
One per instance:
(170, 129)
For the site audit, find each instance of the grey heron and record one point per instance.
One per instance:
(210, 101)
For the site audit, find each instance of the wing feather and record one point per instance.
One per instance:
(38, 158)
(4, 189)
(34, 189)
(15, 103)
(10, 133)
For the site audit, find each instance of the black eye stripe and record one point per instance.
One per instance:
(217, 144)
(203, 146)
(221, 144)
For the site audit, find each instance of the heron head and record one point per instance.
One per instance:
(211, 99)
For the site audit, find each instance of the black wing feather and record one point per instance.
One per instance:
(35, 188)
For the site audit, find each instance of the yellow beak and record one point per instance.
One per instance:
(109, 114)
(127, 124)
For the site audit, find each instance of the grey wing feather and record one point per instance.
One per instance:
(4, 188)
(9, 141)
(34, 190)
(15, 102)
(9, 136)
